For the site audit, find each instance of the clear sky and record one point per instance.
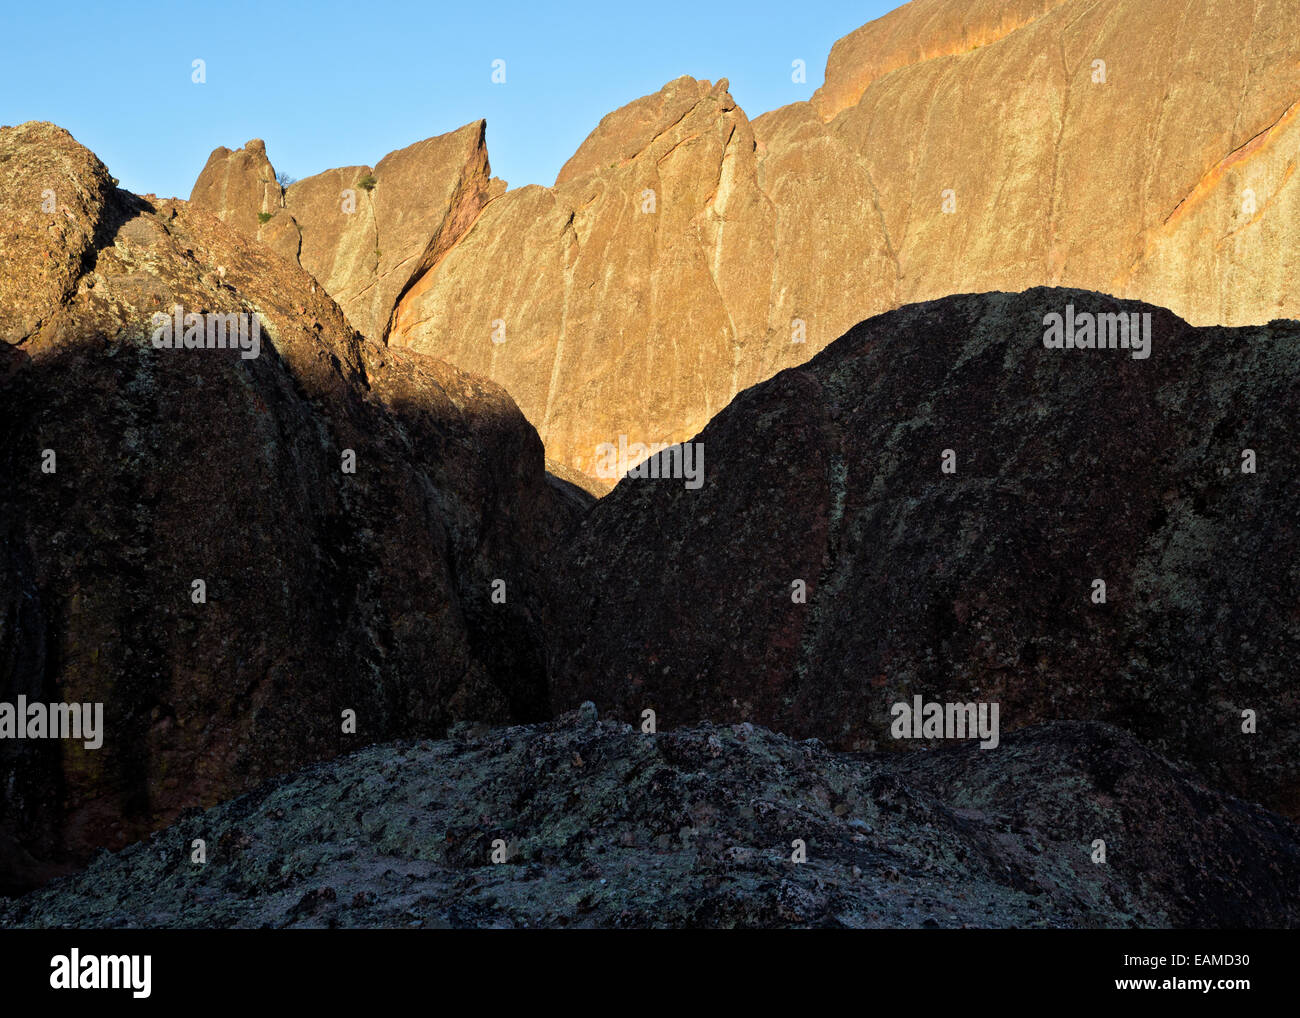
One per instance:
(337, 84)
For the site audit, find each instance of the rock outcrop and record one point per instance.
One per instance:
(240, 187)
(829, 566)
(365, 233)
(1019, 149)
(606, 827)
(349, 510)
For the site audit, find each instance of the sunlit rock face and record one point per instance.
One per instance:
(1119, 147)
(366, 234)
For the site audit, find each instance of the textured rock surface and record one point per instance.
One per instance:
(627, 132)
(239, 186)
(325, 591)
(45, 253)
(1072, 465)
(606, 827)
(365, 250)
(913, 33)
(1171, 181)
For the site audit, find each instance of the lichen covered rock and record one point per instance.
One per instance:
(594, 824)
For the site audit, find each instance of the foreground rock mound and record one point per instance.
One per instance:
(346, 508)
(927, 508)
(603, 826)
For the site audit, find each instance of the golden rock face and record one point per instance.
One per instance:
(954, 148)
(365, 233)
(685, 253)
(918, 31)
(616, 301)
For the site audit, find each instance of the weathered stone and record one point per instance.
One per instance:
(913, 33)
(50, 227)
(612, 307)
(366, 234)
(627, 132)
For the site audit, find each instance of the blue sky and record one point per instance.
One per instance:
(335, 84)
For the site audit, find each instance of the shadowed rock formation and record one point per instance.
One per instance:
(326, 590)
(1071, 465)
(607, 827)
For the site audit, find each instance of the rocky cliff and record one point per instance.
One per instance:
(258, 559)
(348, 510)
(612, 308)
(240, 187)
(955, 147)
(914, 33)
